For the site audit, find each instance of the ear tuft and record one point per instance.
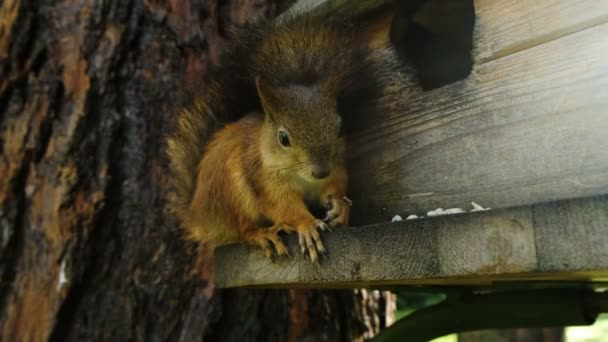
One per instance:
(269, 97)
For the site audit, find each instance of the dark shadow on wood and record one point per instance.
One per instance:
(437, 41)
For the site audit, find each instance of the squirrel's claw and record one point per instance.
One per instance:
(339, 212)
(310, 240)
(326, 220)
(302, 244)
(269, 241)
(278, 244)
(312, 251)
(348, 201)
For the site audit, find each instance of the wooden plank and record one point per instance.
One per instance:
(526, 128)
(505, 27)
(585, 245)
(502, 27)
(523, 243)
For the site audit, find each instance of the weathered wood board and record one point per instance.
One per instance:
(558, 241)
(506, 27)
(525, 128)
(502, 27)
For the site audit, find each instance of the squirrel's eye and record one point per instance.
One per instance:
(284, 139)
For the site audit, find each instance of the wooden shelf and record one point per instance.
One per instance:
(565, 241)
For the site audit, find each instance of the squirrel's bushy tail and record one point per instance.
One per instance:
(184, 147)
(226, 96)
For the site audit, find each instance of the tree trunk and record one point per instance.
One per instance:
(87, 250)
(514, 335)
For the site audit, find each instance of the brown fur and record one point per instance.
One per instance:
(246, 178)
(297, 75)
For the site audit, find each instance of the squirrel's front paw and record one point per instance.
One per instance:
(338, 211)
(310, 239)
(269, 241)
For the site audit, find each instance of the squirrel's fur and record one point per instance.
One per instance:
(318, 52)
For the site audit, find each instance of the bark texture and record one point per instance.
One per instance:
(87, 251)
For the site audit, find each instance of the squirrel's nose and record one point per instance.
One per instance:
(320, 172)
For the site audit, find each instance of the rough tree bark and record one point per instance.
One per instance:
(87, 250)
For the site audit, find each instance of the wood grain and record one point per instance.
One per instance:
(526, 128)
(502, 27)
(505, 27)
(523, 243)
(583, 245)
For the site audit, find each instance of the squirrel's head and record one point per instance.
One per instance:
(302, 130)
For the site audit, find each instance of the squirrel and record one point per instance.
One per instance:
(265, 137)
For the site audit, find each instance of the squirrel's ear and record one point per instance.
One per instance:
(269, 97)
